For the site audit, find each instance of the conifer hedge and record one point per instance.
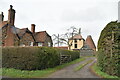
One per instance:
(109, 49)
(33, 58)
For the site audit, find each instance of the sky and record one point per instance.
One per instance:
(56, 16)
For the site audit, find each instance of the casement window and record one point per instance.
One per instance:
(22, 44)
(40, 44)
(31, 43)
(75, 45)
(49, 44)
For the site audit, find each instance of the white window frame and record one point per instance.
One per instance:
(49, 44)
(22, 45)
(31, 43)
(40, 44)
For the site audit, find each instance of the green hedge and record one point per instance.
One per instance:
(74, 54)
(109, 49)
(33, 58)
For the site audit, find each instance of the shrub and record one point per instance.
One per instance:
(109, 49)
(33, 58)
(74, 54)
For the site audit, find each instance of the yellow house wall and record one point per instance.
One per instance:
(79, 43)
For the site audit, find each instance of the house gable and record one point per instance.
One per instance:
(44, 38)
(26, 37)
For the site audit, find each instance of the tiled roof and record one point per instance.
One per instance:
(90, 42)
(41, 36)
(38, 36)
(77, 36)
(3, 23)
(22, 32)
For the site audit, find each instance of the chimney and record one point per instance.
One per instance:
(11, 16)
(1, 17)
(79, 31)
(33, 28)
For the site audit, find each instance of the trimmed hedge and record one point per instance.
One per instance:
(33, 58)
(109, 49)
(74, 54)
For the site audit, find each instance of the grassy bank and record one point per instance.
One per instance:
(98, 72)
(14, 73)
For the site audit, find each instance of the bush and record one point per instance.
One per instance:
(74, 54)
(33, 58)
(109, 49)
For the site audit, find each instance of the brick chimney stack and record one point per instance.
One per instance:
(33, 28)
(11, 16)
(1, 17)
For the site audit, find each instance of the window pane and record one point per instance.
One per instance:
(39, 44)
(49, 44)
(75, 45)
(31, 44)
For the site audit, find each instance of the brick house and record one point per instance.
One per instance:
(42, 37)
(26, 37)
(7, 36)
(13, 36)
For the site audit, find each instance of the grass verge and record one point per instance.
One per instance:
(15, 73)
(98, 72)
(82, 65)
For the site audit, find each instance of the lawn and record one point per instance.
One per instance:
(15, 73)
(96, 69)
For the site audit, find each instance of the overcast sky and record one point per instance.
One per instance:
(55, 16)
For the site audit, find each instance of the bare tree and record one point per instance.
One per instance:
(69, 35)
(64, 38)
(57, 40)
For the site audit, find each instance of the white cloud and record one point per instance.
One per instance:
(55, 16)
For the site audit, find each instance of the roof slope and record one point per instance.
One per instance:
(23, 31)
(3, 23)
(18, 32)
(90, 42)
(41, 36)
(77, 36)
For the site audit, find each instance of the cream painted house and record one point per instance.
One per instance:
(76, 42)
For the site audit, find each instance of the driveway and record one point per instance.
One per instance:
(69, 72)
